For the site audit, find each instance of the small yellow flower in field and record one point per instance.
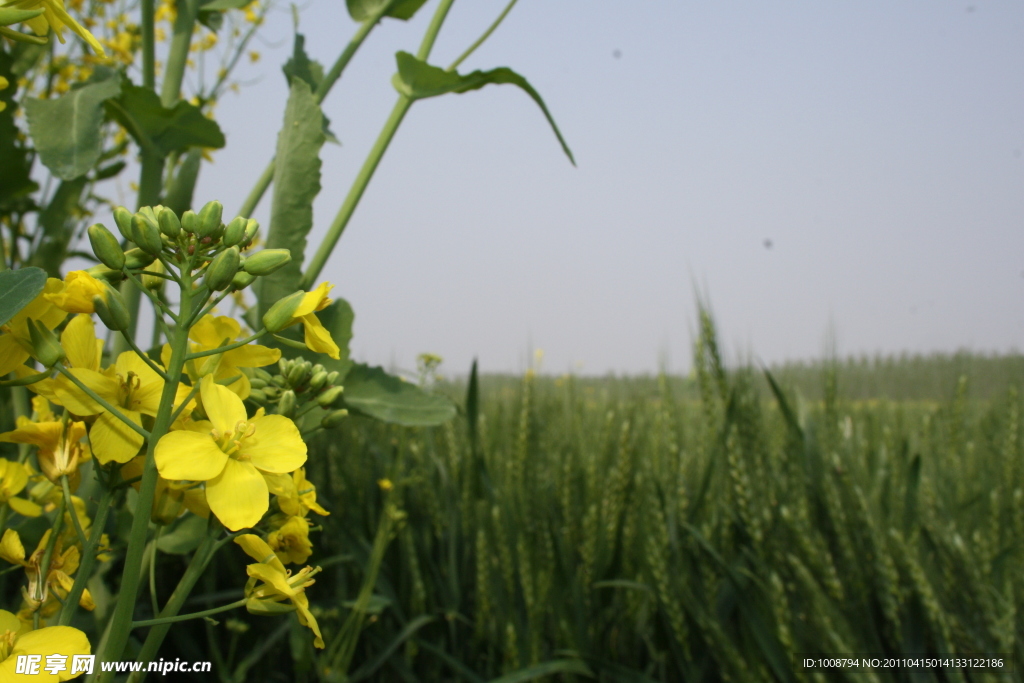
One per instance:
(13, 479)
(385, 485)
(278, 584)
(58, 577)
(295, 495)
(56, 17)
(52, 640)
(230, 453)
(15, 342)
(291, 540)
(78, 292)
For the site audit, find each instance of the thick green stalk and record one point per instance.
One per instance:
(148, 44)
(130, 577)
(184, 24)
(330, 78)
(355, 193)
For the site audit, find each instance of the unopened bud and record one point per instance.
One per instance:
(251, 228)
(234, 232)
(242, 280)
(153, 282)
(209, 219)
(222, 269)
(299, 373)
(45, 345)
(319, 380)
(267, 261)
(332, 376)
(123, 220)
(257, 383)
(112, 310)
(333, 419)
(169, 224)
(147, 235)
(257, 396)
(101, 272)
(286, 406)
(137, 258)
(106, 247)
(328, 398)
(263, 375)
(189, 221)
(280, 314)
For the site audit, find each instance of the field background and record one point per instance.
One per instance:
(699, 528)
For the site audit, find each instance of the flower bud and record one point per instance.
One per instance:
(263, 375)
(234, 232)
(152, 282)
(106, 247)
(257, 396)
(189, 221)
(286, 406)
(209, 219)
(257, 383)
(123, 219)
(280, 314)
(101, 272)
(319, 380)
(242, 280)
(169, 224)
(332, 376)
(267, 261)
(333, 419)
(147, 234)
(299, 373)
(251, 228)
(137, 258)
(329, 397)
(222, 269)
(112, 310)
(45, 345)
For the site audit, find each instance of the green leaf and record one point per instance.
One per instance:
(418, 80)
(374, 393)
(567, 666)
(66, 130)
(375, 605)
(17, 290)
(296, 184)
(222, 5)
(368, 669)
(186, 536)
(168, 130)
(9, 15)
(361, 10)
(300, 66)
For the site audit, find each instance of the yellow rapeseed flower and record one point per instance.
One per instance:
(278, 584)
(317, 337)
(230, 452)
(13, 479)
(59, 443)
(291, 540)
(58, 576)
(15, 642)
(78, 292)
(15, 341)
(295, 495)
(56, 17)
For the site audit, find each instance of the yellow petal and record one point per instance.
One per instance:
(318, 338)
(272, 576)
(9, 622)
(79, 342)
(113, 440)
(314, 300)
(25, 507)
(239, 496)
(256, 548)
(11, 548)
(190, 456)
(79, 286)
(251, 356)
(63, 640)
(11, 354)
(79, 402)
(276, 445)
(222, 406)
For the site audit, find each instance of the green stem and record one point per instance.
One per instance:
(148, 44)
(72, 512)
(67, 613)
(152, 571)
(157, 303)
(186, 617)
(330, 78)
(229, 347)
(130, 577)
(355, 193)
(44, 566)
(487, 34)
(177, 59)
(103, 402)
(195, 569)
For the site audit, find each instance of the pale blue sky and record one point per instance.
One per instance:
(878, 145)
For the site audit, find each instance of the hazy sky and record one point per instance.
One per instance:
(877, 145)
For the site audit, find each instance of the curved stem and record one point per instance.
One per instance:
(102, 401)
(67, 613)
(229, 347)
(186, 617)
(71, 509)
(487, 34)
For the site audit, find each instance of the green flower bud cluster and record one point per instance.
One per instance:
(199, 240)
(299, 387)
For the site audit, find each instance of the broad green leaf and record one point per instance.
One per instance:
(66, 130)
(185, 537)
(296, 184)
(17, 290)
(418, 80)
(58, 224)
(361, 10)
(299, 65)
(16, 182)
(375, 393)
(169, 130)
